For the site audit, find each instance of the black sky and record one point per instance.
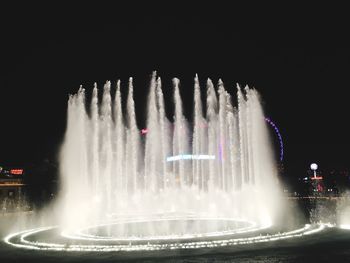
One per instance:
(298, 61)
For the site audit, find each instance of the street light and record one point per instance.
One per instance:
(314, 167)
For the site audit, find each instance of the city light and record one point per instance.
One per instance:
(313, 166)
(16, 171)
(317, 178)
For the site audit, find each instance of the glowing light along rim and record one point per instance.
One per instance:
(88, 237)
(274, 126)
(34, 245)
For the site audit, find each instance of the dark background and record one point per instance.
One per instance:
(298, 58)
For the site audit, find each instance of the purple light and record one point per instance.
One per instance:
(269, 121)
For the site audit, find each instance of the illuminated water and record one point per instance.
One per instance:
(217, 165)
(185, 187)
(329, 245)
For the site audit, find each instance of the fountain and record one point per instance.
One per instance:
(178, 184)
(224, 167)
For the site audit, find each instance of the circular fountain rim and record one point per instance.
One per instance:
(80, 235)
(19, 240)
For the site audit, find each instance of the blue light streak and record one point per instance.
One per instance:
(190, 157)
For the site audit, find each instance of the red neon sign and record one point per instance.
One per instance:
(16, 171)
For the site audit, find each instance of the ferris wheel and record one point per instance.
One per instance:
(279, 136)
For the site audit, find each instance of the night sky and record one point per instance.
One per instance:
(299, 62)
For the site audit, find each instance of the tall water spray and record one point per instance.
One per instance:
(219, 164)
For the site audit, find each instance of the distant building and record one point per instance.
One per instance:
(11, 187)
(317, 184)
